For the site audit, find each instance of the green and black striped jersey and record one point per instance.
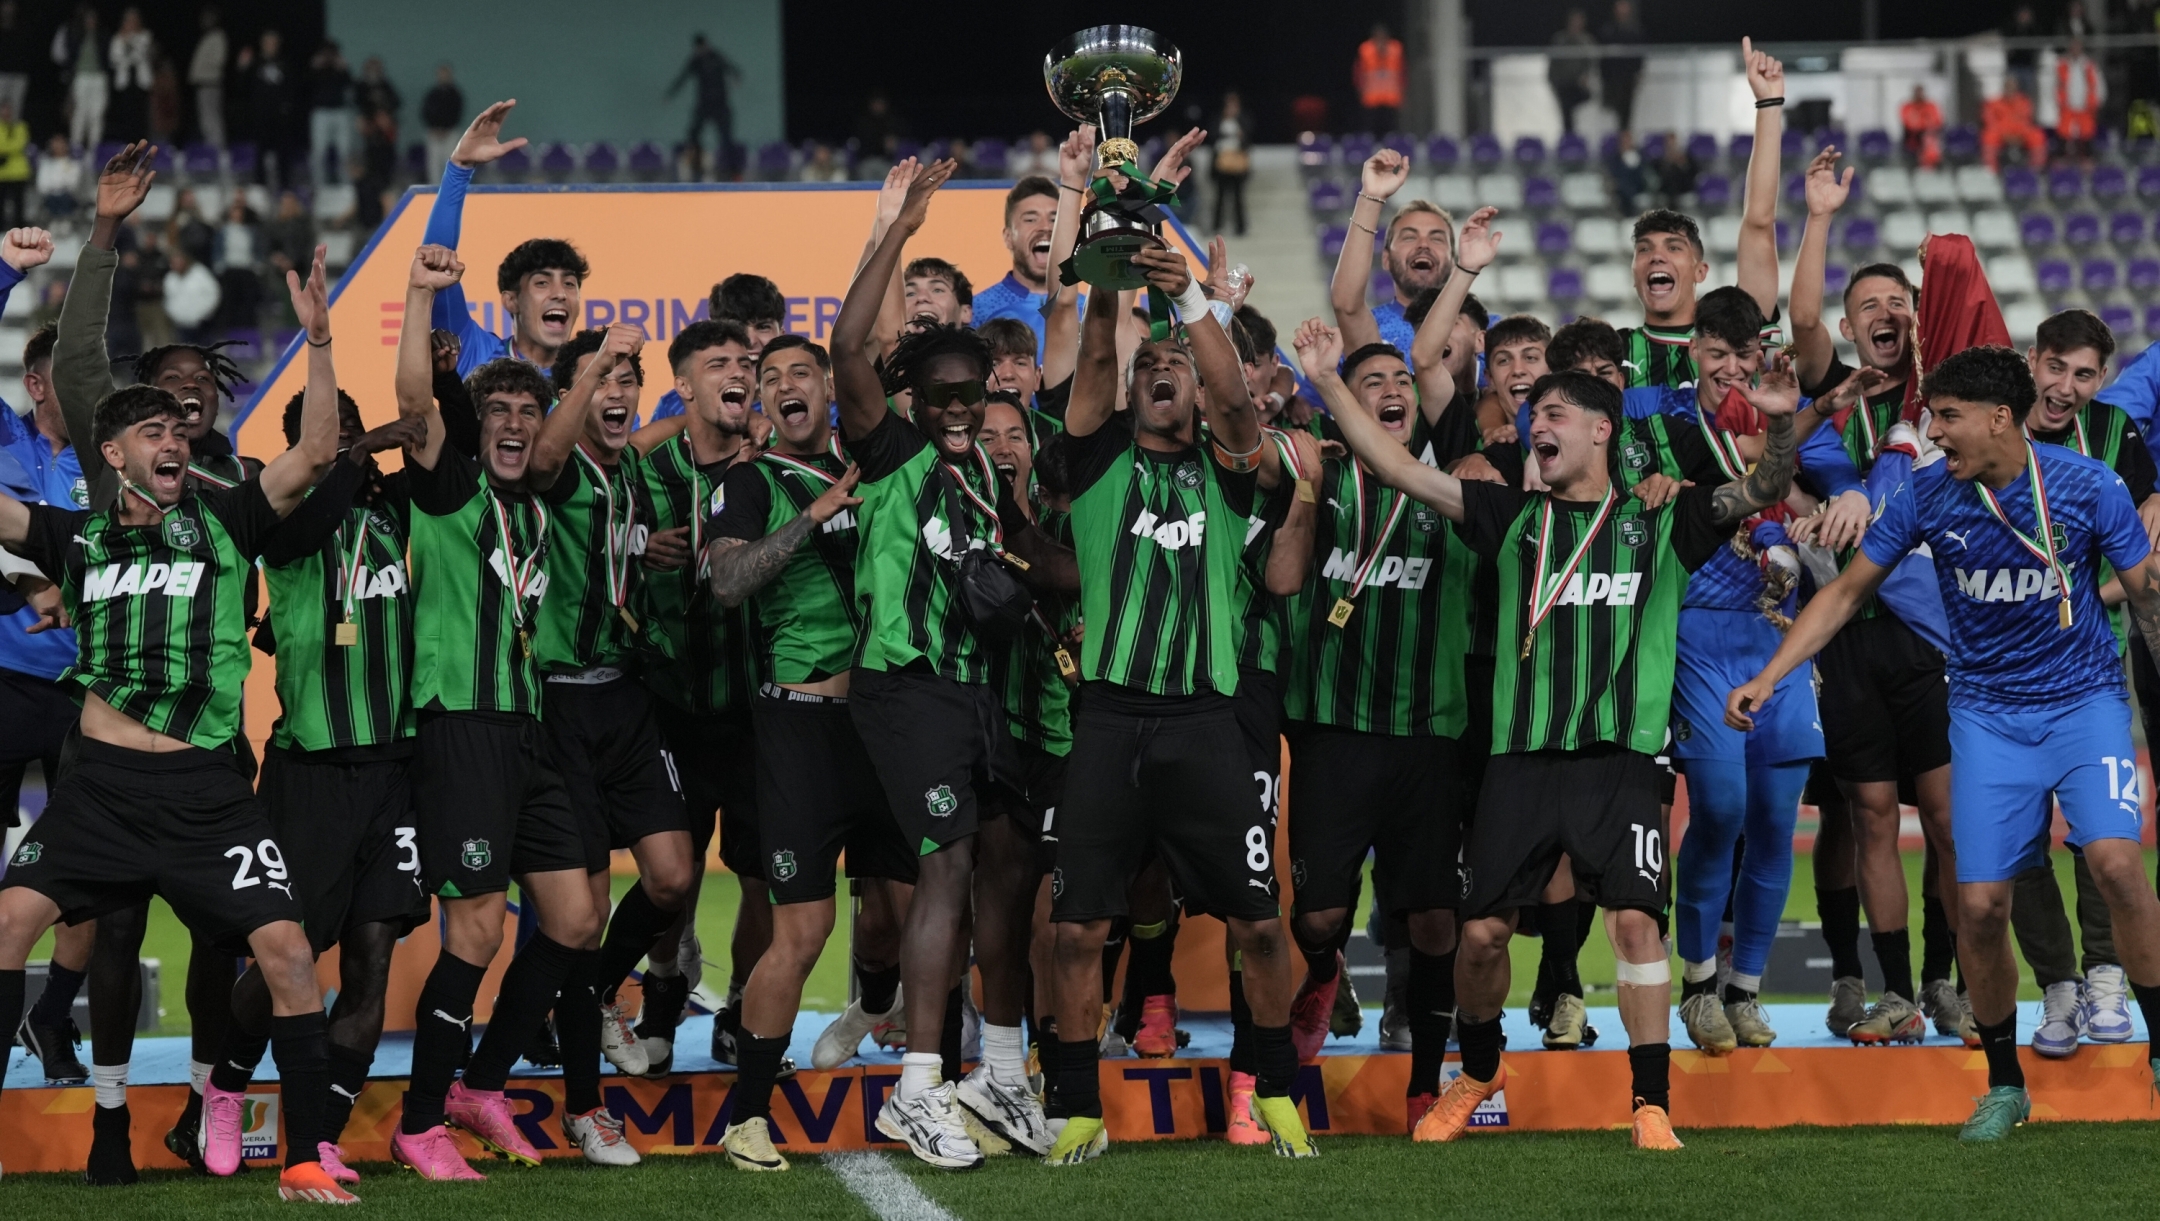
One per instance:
(1592, 661)
(806, 616)
(2108, 434)
(479, 578)
(593, 545)
(1160, 539)
(341, 623)
(159, 611)
(908, 566)
(1657, 355)
(1264, 616)
(697, 653)
(1393, 665)
(1038, 702)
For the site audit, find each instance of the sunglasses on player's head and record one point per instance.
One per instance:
(968, 393)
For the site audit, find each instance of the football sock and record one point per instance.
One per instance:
(243, 1052)
(760, 1067)
(1562, 942)
(108, 1083)
(1840, 913)
(920, 1072)
(876, 987)
(1079, 1093)
(1938, 945)
(1430, 999)
(348, 1076)
(1005, 1053)
(636, 924)
(577, 1029)
(1742, 988)
(57, 1002)
(443, 1039)
(13, 986)
(2148, 999)
(1651, 1064)
(1480, 1046)
(1241, 1044)
(1149, 972)
(198, 1073)
(1999, 1041)
(1275, 1058)
(521, 1008)
(302, 1047)
(1893, 953)
(1320, 958)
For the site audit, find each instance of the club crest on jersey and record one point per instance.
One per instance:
(476, 854)
(28, 854)
(1635, 455)
(380, 524)
(80, 493)
(1632, 532)
(940, 801)
(1187, 475)
(181, 532)
(783, 866)
(1425, 518)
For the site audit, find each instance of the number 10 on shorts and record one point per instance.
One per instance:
(1649, 848)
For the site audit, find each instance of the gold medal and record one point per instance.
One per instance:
(1013, 560)
(1305, 492)
(1066, 669)
(1341, 614)
(525, 642)
(1529, 638)
(348, 633)
(629, 620)
(2063, 613)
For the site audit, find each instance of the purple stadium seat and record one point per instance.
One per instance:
(2064, 182)
(1741, 148)
(2126, 228)
(1484, 151)
(1540, 193)
(240, 155)
(2119, 318)
(1529, 152)
(200, 161)
(516, 163)
(104, 153)
(992, 157)
(1565, 284)
(647, 162)
(1961, 144)
(1332, 239)
(2152, 321)
(1653, 146)
(1353, 151)
(2081, 229)
(2037, 229)
(2143, 275)
(416, 159)
(774, 160)
(1793, 146)
(2148, 182)
(1796, 189)
(1327, 196)
(1571, 151)
(557, 162)
(904, 149)
(1607, 145)
(2109, 183)
(1442, 154)
(1552, 238)
(1702, 146)
(1315, 149)
(603, 162)
(1835, 277)
(1383, 286)
(1401, 142)
(1857, 193)
(2053, 275)
(1861, 234)
(1875, 145)
(1786, 234)
(2099, 275)
(2021, 185)
(1713, 192)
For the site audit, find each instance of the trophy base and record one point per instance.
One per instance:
(1103, 259)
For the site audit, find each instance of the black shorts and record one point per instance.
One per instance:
(818, 794)
(605, 744)
(123, 825)
(1168, 779)
(350, 839)
(716, 759)
(935, 742)
(35, 717)
(1599, 806)
(1885, 705)
(1258, 706)
(1397, 797)
(1475, 746)
(490, 805)
(1042, 775)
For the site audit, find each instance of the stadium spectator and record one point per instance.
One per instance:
(2023, 63)
(378, 105)
(1232, 163)
(2079, 91)
(17, 56)
(191, 297)
(442, 113)
(237, 256)
(1677, 173)
(130, 62)
(1379, 79)
(1632, 178)
(1619, 73)
(166, 118)
(270, 106)
(1040, 156)
(711, 71)
(822, 166)
(206, 76)
(2008, 119)
(1923, 123)
(330, 114)
(877, 132)
(14, 166)
(289, 238)
(59, 179)
(188, 230)
(1570, 74)
(78, 47)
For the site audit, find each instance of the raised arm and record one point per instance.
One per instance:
(892, 305)
(82, 367)
(862, 395)
(1384, 174)
(1095, 374)
(1290, 555)
(481, 144)
(1231, 419)
(1776, 396)
(434, 268)
(1320, 349)
(1756, 266)
(289, 476)
(1475, 248)
(739, 568)
(559, 433)
(1061, 329)
(1827, 190)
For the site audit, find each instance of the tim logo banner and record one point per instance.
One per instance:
(259, 1127)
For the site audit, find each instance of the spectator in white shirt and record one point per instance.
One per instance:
(191, 297)
(59, 179)
(131, 56)
(206, 74)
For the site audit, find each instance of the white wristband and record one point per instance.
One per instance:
(1192, 304)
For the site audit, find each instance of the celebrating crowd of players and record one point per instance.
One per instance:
(1015, 599)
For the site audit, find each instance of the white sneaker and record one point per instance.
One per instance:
(599, 1136)
(2059, 1012)
(844, 1037)
(619, 1043)
(1010, 1111)
(930, 1124)
(2107, 1005)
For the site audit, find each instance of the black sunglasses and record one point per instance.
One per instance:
(968, 392)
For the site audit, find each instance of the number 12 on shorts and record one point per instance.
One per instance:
(2123, 783)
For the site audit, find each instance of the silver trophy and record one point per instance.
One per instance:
(1115, 77)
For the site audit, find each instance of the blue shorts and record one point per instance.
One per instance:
(1718, 651)
(2003, 766)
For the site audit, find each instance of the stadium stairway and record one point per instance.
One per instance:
(1288, 286)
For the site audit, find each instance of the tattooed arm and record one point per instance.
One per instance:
(741, 567)
(1776, 396)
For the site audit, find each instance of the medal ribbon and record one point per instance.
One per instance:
(997, 528)
(2077, 423)
(1542, 601)
(1724, 446)
(354, 577)
(616, 544)
(523, 574)
(1387, 531)
(2044, 551)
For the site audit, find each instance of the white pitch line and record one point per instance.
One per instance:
(884, 1190)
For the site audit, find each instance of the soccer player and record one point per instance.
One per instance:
(490, 805)
(1884, 704)
(158, 799)
(2068, 358)
(1591, 579)
(1419, 249)
(750, 301)
(697, 659)
(920, 691)
(1160, 516)
(541, 280)
(1030, 212)
(785, 543)
(2020, 532)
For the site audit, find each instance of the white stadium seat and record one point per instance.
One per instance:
(1600, 237)
(1995, 229)
(1903, 230)
(1583, 192)
(1721, 236)
(1609, 282)
(2011, 275)
(1522, 287)
(1933, 187)
(158, 205)
(1949, 220)
(1978, 184)
(1502, 191)
(2023, 318)
(1455, 192)
(1889, 187)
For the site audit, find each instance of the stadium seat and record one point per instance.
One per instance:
(1332, 240)
(1861, 235)
(1503, 191)
(2065, 183)
(2143, 275)
(200, 161)
(339, 246)
(1976, 184)
(2053, 276)
(1741, 148)
(1552, 238)
(1353, 151)
(1714, 192)
(1609, 283)
(1327, 196)
(258, 198)
(602, 162)
(1903, 230)
(2148, 182)
(1787, 234)
(1572, 151)
(1961, 144)
(240, 159)
(1457, 193)
(1796, 190)
(334, 202)
(2020, 185)
(1835, 277)
(1583, 191)
(1485, 151)
(2126, 228)
(159, 203)
(1933, 188)
(1890, 186)
(2099, 275)
(2081, 229)
(1721, 236)
(1608, 146)
(647, 161)
(2119, 318)
(2023, 318)
(2037, 229)
(2011, 275)
(2152, 321)
(2109, 183)
(1383, 286)
(1539, 193)
(1442, 154)
(558, 163)
(1793, 148)
(1994, 229)
(1875, 145)
(1522, 285)
(1949, 220)
(1652, 146)
(516, 164)
(1565, 285)
(1600, 237)
(416, 160)
(1529, 152)
(1703, 147)
(1401, 143)
(1316, 150)
(992, 158)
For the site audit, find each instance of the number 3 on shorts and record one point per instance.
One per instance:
(1256, 849)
